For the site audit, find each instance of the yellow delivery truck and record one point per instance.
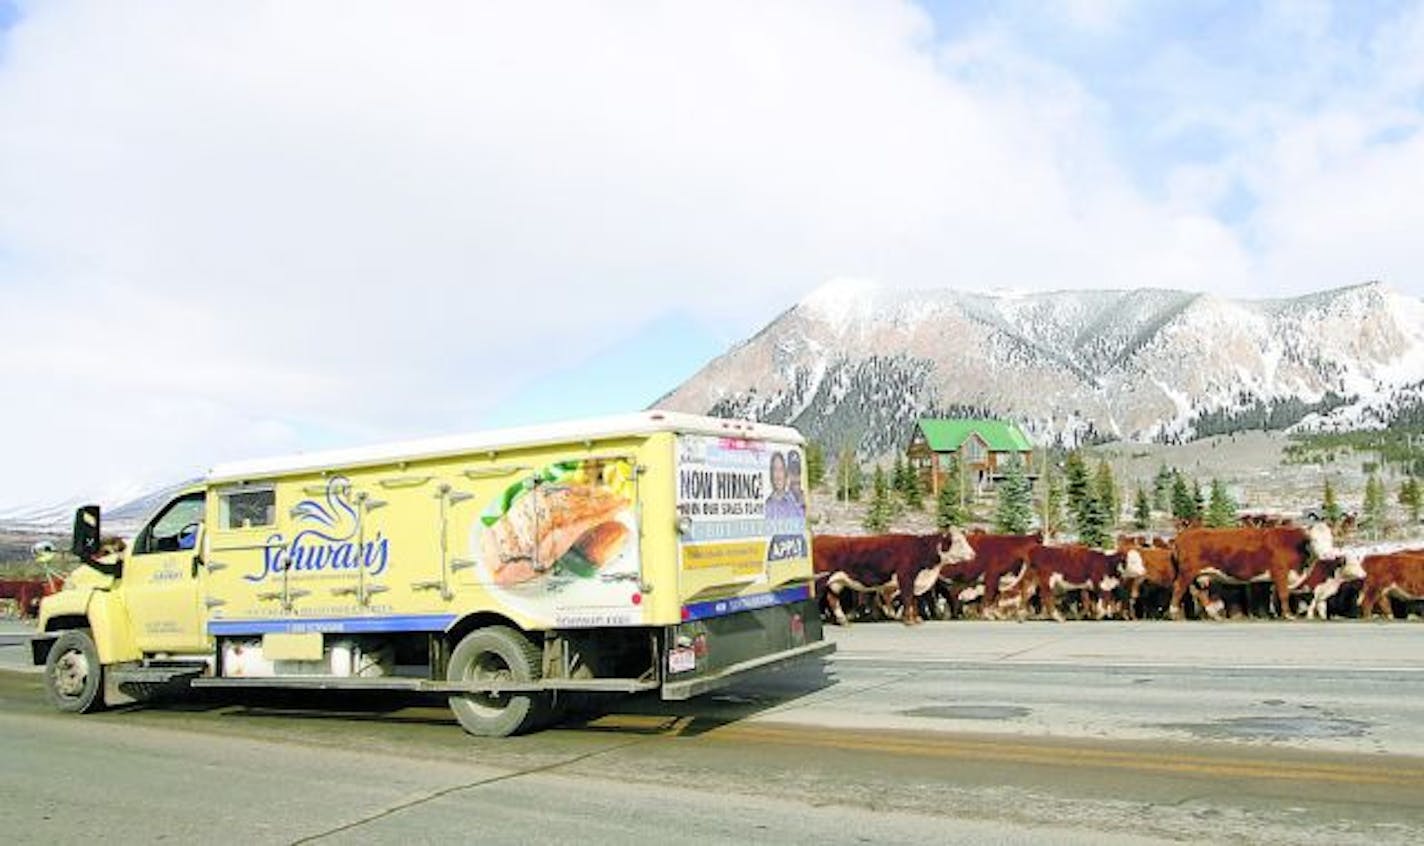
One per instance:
(507, 570)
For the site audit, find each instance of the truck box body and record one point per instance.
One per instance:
(691, 528)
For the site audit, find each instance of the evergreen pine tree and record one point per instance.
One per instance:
(1075, 474)
(1221, 510)
(949, 476)
(1162, 489)
(815, 465)
(1330, 507)
(914, 489)
(1410, 497)
(897, 475)
(1142, 511)
(1198, 500)
(881, 510)
(1105, 489)
(947, 509)
(1014, 514)
(1374, 507)
(1093, 522)
(1181, 498)
(1053, 506)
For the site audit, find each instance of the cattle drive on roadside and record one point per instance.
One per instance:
(999, 564)
(1279, 555)
(1094, 574)
(1398, 575)
(1149, 594)
(909, 564)
(1276, 571)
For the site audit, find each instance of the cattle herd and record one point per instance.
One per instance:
(1279, 571)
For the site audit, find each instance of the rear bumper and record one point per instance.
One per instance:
(675, 690)
(731, 645)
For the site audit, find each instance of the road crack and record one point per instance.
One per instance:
(457, 788)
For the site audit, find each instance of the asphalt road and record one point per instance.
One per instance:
(1076, 733)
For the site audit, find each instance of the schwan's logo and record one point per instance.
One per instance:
(326, 539)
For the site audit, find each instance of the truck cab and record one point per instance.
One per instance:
(126, 602)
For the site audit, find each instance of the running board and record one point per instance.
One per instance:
(411, 685)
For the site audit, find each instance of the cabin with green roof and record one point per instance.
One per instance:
(984, 448)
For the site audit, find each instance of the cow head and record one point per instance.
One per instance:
(1132, 566)
(1353, 568)
(1320, 540)
(954, 548)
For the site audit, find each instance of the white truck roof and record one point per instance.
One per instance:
(572, 431)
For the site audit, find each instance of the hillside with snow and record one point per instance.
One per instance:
(855, 364)
(123, 519)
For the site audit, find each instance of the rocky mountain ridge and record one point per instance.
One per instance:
(854, 364)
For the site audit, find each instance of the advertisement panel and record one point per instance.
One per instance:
(741, 503)
(561, 544)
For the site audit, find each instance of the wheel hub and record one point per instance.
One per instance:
(71, 673)
(490, 668)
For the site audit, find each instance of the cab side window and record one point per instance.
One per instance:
(176, 528)
(247, 508)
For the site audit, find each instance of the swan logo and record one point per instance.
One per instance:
(325, 540)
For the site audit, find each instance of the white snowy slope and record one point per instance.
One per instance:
(854, 364)
(124, 519)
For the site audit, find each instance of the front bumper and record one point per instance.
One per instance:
(40, 645)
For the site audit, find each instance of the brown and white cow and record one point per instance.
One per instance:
(1281, 556)
(1158, 577)
(871, 564)
(1395, 575)
(1055, 570)
(999, 561)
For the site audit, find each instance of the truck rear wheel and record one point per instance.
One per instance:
(74, 678)
(497, 653)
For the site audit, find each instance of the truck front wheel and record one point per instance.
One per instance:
(497, 653)
(74, 678)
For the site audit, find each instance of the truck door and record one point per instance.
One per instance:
(160, 579)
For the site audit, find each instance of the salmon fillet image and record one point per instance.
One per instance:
(543, 525)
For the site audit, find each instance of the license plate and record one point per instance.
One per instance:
(682, 660)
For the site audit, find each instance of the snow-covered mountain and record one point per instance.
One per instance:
(854, 364)
(124, 519)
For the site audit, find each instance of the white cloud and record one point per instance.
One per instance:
(234, 229)
(1099, 16)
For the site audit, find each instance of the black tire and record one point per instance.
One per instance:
(497, 652)
(74, 678)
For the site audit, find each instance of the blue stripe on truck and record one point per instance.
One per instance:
(731, 605)
(335, 625)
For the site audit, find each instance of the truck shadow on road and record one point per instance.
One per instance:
(759, 693)
(641, 714)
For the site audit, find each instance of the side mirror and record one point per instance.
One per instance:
(86, 532)
(43, 552)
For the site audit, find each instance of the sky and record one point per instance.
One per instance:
(242, 229)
